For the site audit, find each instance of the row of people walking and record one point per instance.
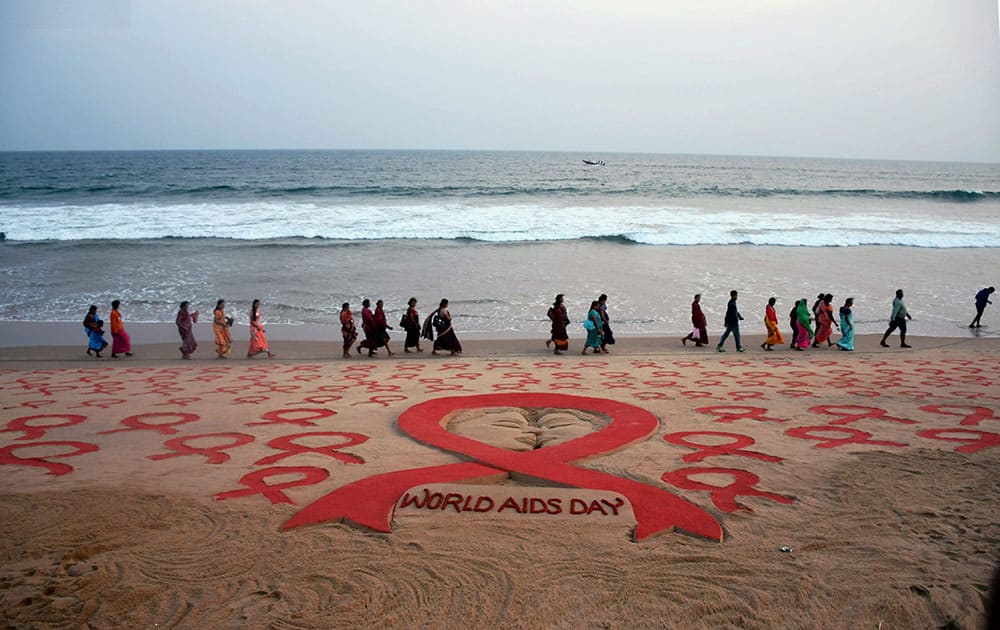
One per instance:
(799, 321)
(185, 320)
(221, 325)
(437, 327)
(597, 324)
(93, 326)
(376, 329)
(600, 335)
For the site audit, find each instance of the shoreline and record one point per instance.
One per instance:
(20, 334)
(496, 291)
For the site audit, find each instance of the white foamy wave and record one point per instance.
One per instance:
(664, 225)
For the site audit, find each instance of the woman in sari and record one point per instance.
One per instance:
(382, 328)
(446, 337)
(560, 319)
(120, 341)
(94, 327)
(699, 330)
(824, 322)
(347, 328)
(368, 327)
(411, 324)
(793, 323)
(771, 322)
(607, 335)
(185, 328)
(805, 331)
(220, 326)
(258, 342)
(846, 341)
(594, 327)
(815, 307)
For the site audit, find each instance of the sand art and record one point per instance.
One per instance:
(727, 454)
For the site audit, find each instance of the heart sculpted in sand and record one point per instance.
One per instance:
(536, 436)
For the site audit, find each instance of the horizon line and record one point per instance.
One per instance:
(467, 150)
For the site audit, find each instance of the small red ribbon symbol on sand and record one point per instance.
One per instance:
(370, 502)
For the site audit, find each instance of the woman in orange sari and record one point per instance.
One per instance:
(824, 321)
(220, 325)
(258, 342)
(771, 322)
(120, 341)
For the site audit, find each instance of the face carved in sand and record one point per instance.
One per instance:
(522, 429)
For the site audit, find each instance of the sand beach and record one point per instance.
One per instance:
(284, 160)
(827, 489)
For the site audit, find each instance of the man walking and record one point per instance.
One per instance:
(733, 318)
(897, 320)
(982, 299)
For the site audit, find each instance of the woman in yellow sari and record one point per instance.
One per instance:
(220, 325)
(774, 337)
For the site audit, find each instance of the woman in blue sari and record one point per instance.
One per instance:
(846, 341)
(594, 325)
(95, 332)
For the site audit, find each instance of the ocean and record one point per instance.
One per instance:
(498, 233)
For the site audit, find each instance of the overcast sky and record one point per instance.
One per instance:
(918, 79)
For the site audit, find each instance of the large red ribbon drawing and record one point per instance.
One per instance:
(370, 502)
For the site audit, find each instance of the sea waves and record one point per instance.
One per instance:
(583, 187)
(498, 223)
(496, 197)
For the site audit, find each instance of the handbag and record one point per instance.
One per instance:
(589, 324)
(440, 323)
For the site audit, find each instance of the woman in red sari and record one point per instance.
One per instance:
(258, 342)
(699, 323)
(557, 314)
(370, 341)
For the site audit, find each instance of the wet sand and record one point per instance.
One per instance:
(495, 289)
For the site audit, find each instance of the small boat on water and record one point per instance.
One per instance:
(594, 162)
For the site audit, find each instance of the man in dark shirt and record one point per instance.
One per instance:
(733, 318)
(982, 299)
